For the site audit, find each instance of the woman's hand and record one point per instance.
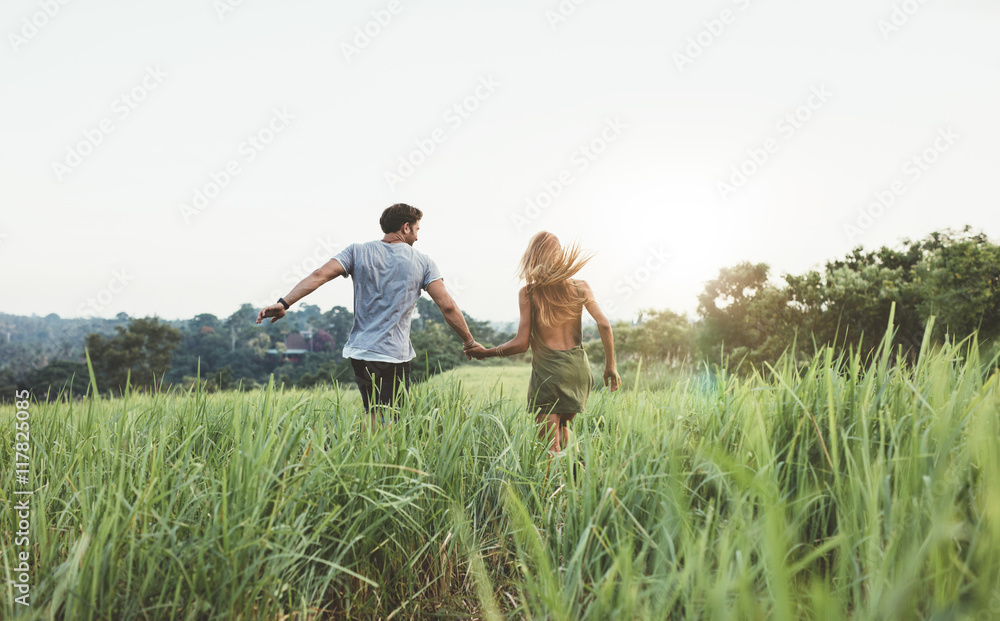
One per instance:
(611, 378)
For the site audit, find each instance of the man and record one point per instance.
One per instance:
(389, 276)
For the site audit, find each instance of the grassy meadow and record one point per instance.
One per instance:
(847, 489)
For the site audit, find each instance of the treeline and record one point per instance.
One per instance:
(744, 315)
(32, 342)
(222, 354)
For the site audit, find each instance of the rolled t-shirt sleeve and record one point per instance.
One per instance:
(346, 259)
(431, 273)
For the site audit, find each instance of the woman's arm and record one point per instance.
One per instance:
(611, 377)
(518, 344)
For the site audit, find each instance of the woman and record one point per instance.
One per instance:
(551, 305)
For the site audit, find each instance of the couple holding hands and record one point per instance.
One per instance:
(389, 276)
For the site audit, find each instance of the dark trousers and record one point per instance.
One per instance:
(382, 384)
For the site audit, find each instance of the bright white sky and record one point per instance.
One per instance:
(108, 233)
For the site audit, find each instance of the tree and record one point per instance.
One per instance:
(724, 307)
(437, 348)
(203, 349)
(658, 336)
(339, 322)
(318, 370)
(322, 341)
(143, 349)
(959, 283)
(860, 292)
(427, 311)
(241, 326)
(61, 375)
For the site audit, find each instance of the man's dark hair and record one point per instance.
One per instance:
(393, 218)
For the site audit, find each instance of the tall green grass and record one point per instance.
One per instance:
(844, 490)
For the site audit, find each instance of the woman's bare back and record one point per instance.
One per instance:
(564, 335)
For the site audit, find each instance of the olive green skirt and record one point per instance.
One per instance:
(560, 380)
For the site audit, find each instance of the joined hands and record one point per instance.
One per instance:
(474, 350)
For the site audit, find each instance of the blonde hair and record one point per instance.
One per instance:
(546, 268)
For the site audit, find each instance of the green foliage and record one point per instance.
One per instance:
(240, 345)
(426, 311)
(842, 490)
(858, 293)
(960, 284)
(954, 276)
(323, 370)
(28, 343)
(742, 314)
(729, 315)
(138, 355)
(438, 349)
(338, 321)
(201, 344)
(658, 336)
(61, 376)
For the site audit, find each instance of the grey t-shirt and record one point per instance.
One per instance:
(388, 280)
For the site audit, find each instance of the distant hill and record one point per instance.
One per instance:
(31, 342)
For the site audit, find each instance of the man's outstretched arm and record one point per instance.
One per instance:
(321, 275)
(451, 312)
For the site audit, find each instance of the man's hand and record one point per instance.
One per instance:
(274, 311)
(611, 379)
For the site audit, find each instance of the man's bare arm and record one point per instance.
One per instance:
(450, 310)
(320, 276)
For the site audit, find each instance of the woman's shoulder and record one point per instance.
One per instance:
(582, 286)
(523, 297)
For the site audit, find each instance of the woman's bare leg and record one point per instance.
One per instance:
(564, 420)
(550, 428)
